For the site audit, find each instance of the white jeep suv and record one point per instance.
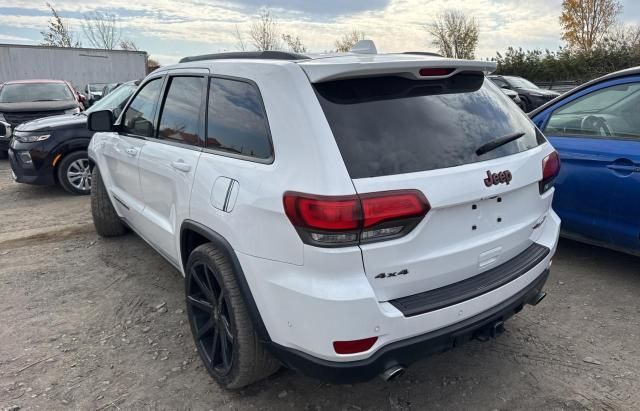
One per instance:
(342, 215)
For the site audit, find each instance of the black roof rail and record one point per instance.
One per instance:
(423, 53)
(264, 55)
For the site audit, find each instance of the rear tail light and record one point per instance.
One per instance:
(550, 170)
(334, 221)
(353, 347)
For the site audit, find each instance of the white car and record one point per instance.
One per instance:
(341, 215)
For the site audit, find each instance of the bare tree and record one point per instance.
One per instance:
(152, 64)
(102, 30)
(294, 43)
(348, 40)
(585, 22)
(57, 33)
(454, 34)
(264, 32)
(128, 45)
(241, 43)
(623, 35)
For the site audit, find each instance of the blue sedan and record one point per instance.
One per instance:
(596, 130)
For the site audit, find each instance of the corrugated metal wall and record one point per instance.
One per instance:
(78, 66)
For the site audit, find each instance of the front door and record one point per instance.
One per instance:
(122, 151)
(598, 137)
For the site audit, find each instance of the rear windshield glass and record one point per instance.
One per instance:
(395, 125)
(30, 92)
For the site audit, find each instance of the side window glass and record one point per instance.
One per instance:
(138, 119)
(607, 112)
(180, 116)
(236, 119)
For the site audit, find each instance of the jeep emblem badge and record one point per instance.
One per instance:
(493, 179)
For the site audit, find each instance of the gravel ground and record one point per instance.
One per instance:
(89, 323)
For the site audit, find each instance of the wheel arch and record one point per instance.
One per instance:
(67, 147)
(194, 234)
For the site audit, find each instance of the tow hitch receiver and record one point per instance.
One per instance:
(490, 331)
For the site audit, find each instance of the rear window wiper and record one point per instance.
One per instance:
(498, 142)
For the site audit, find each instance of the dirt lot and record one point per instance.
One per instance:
(87, 323)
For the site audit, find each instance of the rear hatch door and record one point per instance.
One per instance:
(397, 132)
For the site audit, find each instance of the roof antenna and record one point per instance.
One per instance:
(364, 47)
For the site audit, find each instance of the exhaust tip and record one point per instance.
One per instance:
(537, 298)
(392, 373)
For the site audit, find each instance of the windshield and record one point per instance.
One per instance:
(519, 82)
(30, 92)
(96, 87)
(115, 100)
(393, 125)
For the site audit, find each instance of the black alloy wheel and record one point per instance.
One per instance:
(209, 315)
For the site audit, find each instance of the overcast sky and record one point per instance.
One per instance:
(169, 30)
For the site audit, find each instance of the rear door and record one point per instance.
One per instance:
(396, 133)
(235, 163)
(168, 161)
(122, 151)
(597, 133)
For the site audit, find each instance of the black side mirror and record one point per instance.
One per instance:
(101, 121)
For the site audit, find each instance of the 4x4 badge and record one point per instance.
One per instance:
(387, 275)
(503, 177)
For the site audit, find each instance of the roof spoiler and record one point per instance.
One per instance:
(320, 70)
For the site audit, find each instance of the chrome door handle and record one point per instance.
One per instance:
(132, 151)
(181, 166)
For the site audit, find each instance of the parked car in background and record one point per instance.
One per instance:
(596, 130)
(108, 88)
(27, 100)
(514, 97)
(531, 95)
(330, 232)
(93, 91)
(54, 149)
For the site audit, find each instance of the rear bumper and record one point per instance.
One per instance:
(405, 352)
(306, 308)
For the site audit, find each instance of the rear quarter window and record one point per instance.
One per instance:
(395, 125)
(236, 120)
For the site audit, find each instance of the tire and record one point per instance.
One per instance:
(4, 154)
(105, 219)
(74, 173)
(224, 321)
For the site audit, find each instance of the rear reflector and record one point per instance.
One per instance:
(550, 170)
(435, 72)
(353, 347)
(332, 221)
